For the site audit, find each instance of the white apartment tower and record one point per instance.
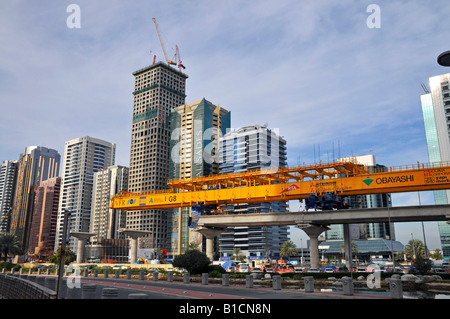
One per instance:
(158, 89)
(82, 158)
(106, 222)
(8, 173)
(253, 147)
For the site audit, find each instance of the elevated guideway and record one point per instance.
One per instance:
(330, 217)
(340, 178)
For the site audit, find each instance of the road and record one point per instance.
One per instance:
(179, 290)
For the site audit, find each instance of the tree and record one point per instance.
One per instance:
(422, 265)
(353, 246)
(193, 260)
(436, 255)
(69, 256)
(9, 244)
(237, 254)
(414, 248)
(288, 249)
(192, 245)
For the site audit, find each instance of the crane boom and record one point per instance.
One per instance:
(162, 43)
(343, 179)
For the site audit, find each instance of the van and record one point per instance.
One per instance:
(244, 268)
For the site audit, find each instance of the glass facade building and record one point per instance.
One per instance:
(194, 144)
(253, 148)
(436, 118)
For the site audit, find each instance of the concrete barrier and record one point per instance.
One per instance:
(170, 276)
(205, 278)
(225, 280)
(347, 286)
(276, 282)
(309, 283)
(249, 281)
(186, 278)
(155, 276)
(396, 288)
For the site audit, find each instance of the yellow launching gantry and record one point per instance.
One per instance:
(338, 178)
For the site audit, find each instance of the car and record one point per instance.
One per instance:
(312, 270)
(244, 268)
(342, 269)
(270, 270)
(231, 269)
(329, 270)
(256, 269)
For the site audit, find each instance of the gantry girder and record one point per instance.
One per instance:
(340, 178)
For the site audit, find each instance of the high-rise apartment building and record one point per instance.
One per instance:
(45, 214)
(436, 117)
(8, 174)
(82, 158)
(158, 88)
(195, 132)
(249, 148)
(106, 222)
(367, 230)
(36, 164)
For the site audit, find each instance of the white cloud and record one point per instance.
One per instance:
(312, 69)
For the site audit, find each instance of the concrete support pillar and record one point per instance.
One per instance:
(134, 235)
(82, 239)
(348, 247)
(210, 233)
(313, 231)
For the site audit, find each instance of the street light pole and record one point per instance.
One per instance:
(63, 252)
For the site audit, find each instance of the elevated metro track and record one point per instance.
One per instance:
(339, 178)
(326, 218)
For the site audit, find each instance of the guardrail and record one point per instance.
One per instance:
(14, 287)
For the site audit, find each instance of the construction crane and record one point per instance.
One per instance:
(297, 183)
(176, 60)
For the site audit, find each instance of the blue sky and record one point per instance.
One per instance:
(312, 69)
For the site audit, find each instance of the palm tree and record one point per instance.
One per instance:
(237, 254)
(415, 248)
(9, 244)
(354, 248)
(288, 249)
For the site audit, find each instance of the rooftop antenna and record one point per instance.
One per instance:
(425, 88)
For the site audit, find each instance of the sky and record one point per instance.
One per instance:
(318, 71)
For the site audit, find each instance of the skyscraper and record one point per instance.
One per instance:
(368, 230)
(106, 222)
(82, 158)
(249, 148)
(436, 117)
(8, 174)
(45, 214)
(195, 132)
(36, 164)
(158, 88)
